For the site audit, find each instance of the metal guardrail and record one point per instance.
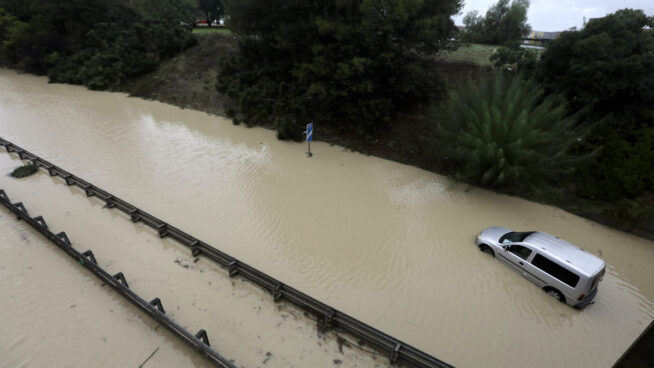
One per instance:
(118, 282)
(328, 317)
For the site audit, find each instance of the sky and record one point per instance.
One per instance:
(559, 15)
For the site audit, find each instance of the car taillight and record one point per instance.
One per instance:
(581, 297)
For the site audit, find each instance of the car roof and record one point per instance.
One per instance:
(569, 254)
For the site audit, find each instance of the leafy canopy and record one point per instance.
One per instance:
(349, 64)
(98, 43)
(607, 67)
(504, 23)
(504, 132)
(606, 70)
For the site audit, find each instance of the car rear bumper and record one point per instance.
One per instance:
(587, 300)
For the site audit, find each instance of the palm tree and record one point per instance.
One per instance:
(504, 132)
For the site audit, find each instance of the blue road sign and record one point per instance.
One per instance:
(309, 132)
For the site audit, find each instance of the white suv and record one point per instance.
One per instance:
(564, 271)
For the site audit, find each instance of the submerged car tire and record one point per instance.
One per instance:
(555, 294)
(486, 249)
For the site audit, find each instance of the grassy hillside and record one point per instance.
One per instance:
(473, 54)
(189, 79)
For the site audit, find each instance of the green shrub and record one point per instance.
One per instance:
(624, 168)
(25, 170)
(117, 54)
(504, 132)
(351, 65)
(515, 57)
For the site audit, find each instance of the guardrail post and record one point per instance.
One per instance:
(156, 302)
(395, 353)
(327, 321)
(110, 202)
(195, 250)
(202, 335)
(162, 230)
(89, 254)
(232, 268)
(121, 278)
(277, 292)
(62, 235)
(134, 215)
(40, 220)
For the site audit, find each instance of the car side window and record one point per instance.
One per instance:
(520, 251)
(563, 274)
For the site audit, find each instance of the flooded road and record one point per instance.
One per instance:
(389, 244)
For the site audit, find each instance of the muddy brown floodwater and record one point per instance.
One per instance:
(390, 244)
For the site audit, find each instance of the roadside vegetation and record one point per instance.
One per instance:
(505, 132)
(572, 125)
(24, 171)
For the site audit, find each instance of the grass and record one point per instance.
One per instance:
(189, 79)
(474, 54)
(26, 170)
(211, 30)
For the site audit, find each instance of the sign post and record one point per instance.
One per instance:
(309, 133)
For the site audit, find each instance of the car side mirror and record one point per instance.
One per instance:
(506, 247)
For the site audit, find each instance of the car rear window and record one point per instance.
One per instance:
(568, 277)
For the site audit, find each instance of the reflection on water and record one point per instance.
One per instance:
(389, 244)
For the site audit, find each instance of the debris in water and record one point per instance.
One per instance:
(23, 171)
(268, 356)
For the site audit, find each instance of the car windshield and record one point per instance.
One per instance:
(515, 236)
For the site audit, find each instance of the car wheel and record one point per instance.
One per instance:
(556, 294)
(486, 249)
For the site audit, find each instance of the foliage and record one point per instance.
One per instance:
(608, 66)
(504, 132)
(607, 70)
(504, 23)
(515, 57)
(173, 11)
(212, 10)
(349, 65)
(115, 55)
(25, 170)
(11, 33)
(624, 168)
(98, 43)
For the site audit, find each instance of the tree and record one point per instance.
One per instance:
(515, 57)
(212, 10)
(606, 70)
(504, 23)
(172, 11)
(505, 133)
(349, 64)
(98, 43)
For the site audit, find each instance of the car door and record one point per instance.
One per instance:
(515, 255)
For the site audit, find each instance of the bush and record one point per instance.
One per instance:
(504, 132)
(351, 65)
(607, 68)
(118, 54)
(26, 170)
(515, 57)
(503, 24)
(624, 168)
